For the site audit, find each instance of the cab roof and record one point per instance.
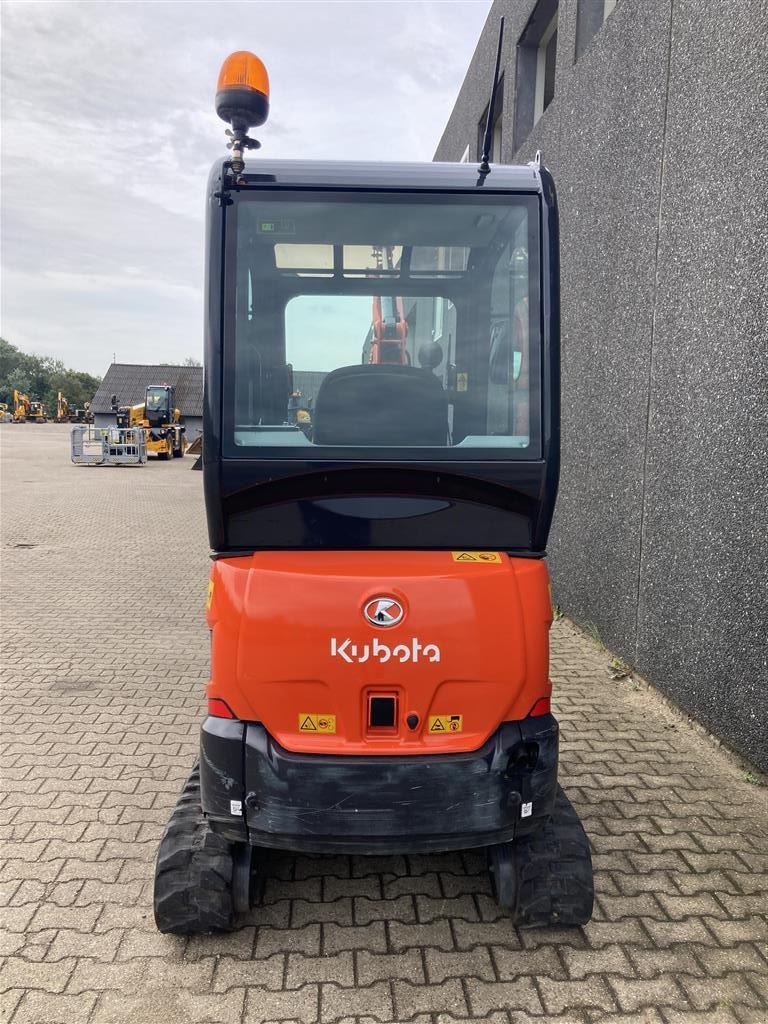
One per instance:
(361, 175)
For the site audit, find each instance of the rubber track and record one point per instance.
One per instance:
(554, 871)
(193, 871)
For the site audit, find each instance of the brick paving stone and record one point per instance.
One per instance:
(658, 992)
(536, 938)
(316, 867)
(231, 972)
(430, 908)
(448, 996)
(580, 963)
(11, 942)
(650, 963)
(16, 919)
(169, 1006)
(99, 729)
(409, 966)
(340, 967)
(518, 1017)
(276, 915)
(370, 936)
(421, 885)
(727, 990)
(457, 885)
(284, 940)
(742, 957)
(488, 908)
(370, 886)
(36, 945)
(239, 944)
(339, 911)
(51, 977)
(476, 963)
(98, 947)
(748, 1015)
(398, 909)
(520, 994)
(437, 933)
(338, 1002)
(469, 934)
(544, 961)
(9, 1000)
(645, 1016)
(664, 933)
(41, 1007)
(82, 919)
(558, 996)
(722, 1015)
(90, 975)
(292, 889)
(727, 933)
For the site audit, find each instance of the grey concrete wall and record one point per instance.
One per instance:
(657, 138)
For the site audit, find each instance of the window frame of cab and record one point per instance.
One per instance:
(350, 286)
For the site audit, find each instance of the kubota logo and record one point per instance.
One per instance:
(383, 611)
(414, 650)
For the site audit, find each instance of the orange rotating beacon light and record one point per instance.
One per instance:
(242, 99)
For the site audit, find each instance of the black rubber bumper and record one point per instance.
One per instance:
(255, 790)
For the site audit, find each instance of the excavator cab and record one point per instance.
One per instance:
(378, 601)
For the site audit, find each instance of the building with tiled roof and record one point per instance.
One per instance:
(129, 382)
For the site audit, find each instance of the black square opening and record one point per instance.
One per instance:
(382, 712)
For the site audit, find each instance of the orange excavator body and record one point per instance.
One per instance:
(292, 649)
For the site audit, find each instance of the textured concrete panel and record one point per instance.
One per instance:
(657, 138)
(702, 615)
(608, 173)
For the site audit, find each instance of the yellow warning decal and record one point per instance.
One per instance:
(462, 382)
(209, 597)
(445, 723)
(317, 723)
(477, 556)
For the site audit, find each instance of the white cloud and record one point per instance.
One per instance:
(109, 131)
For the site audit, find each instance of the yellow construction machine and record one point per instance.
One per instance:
(24, 410)
(62, 409)
(37, 413)
(20, 407)
(5, 415)
(160, 419)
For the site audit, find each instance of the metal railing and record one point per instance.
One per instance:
(109, 446)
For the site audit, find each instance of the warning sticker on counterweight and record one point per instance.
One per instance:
(492, 557)
(445, 723)
(317, 723)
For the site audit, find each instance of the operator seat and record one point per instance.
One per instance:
(381, 405)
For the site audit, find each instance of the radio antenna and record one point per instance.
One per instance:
(485, 167)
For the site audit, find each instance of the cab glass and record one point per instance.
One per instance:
(382, 326)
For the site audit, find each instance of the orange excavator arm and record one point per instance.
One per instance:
(390, 328)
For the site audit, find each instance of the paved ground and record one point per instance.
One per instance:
(104, 661)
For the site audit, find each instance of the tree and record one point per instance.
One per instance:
(42, 377)
(191, 361)
(17, 380)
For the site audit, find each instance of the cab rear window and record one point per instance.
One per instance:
(389, 324)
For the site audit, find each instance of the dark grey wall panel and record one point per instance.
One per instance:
(703, 608)
(657, 137)
(608, 172)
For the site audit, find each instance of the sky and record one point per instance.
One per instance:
(109, 133)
